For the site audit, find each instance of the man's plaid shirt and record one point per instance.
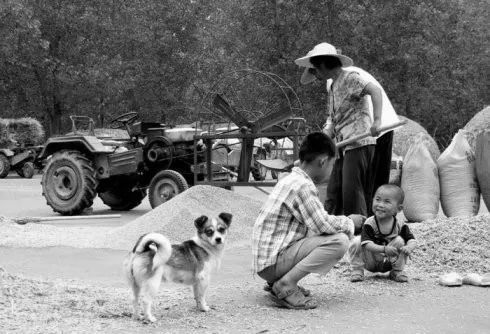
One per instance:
(292, 211)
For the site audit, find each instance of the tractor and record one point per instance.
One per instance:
(24, 160)
(20, 141)
(151, 157)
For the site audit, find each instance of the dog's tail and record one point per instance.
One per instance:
(157, 244)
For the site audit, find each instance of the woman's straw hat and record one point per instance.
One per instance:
(323, 49)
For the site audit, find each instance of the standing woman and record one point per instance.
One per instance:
(351, 181)
(381, 166)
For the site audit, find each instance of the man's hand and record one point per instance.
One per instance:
(375, 128)
(350, 230)
(390, 251)
(358, 221)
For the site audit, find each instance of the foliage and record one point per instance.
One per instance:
(59, 58)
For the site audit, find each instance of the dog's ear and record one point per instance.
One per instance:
(226, 218)
(199, 222)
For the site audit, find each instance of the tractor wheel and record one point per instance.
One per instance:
(27, 170)
(165, 185)
(4, 166)
(259, 172)
(121, 197)
(69, 182)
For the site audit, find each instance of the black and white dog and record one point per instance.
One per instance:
(154, 260)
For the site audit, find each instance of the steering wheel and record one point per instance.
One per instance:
(121, 121)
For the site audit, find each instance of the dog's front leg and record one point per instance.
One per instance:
(200, 288)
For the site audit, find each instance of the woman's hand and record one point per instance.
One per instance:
(375, 128)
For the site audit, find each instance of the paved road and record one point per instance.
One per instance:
(21, 197)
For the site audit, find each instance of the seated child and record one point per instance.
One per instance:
(385, 243)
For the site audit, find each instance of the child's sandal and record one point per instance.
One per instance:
(400, 277)
(357, 278)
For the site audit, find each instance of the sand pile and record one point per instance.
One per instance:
(175, 218)
(453, 244)
(405, 136)
(479, 123)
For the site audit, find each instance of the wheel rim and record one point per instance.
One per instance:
(2, 166)
(65, 183)
(26, 169)
(165, 190)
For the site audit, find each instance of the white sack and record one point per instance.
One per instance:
(460, 195)
(420, 182)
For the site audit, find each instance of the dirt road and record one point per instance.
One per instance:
(21, 197)
(64, 289)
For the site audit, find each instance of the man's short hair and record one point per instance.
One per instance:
(329, 61)
(397, 191)
(315, 144)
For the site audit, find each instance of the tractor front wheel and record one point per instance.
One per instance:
(69, 182)
(27, 170)
(165, 185)
(4, 166)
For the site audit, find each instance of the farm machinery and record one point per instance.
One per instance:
(19, 146)
(153, 158)
(162, 161)
(260, 132)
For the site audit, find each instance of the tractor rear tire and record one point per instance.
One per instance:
(120, 197)
(165, 185)
(4, 166)
(69, 182)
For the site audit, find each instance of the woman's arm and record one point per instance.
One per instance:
(377, 99)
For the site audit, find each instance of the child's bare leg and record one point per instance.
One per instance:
(398, 262)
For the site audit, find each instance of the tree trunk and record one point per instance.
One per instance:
(51, 103)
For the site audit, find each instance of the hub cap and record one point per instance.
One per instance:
(65, 183)
(166, 190)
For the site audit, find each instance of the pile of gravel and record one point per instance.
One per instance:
(405, 136)
(479, 123)
(453, 244)
(175, 218)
